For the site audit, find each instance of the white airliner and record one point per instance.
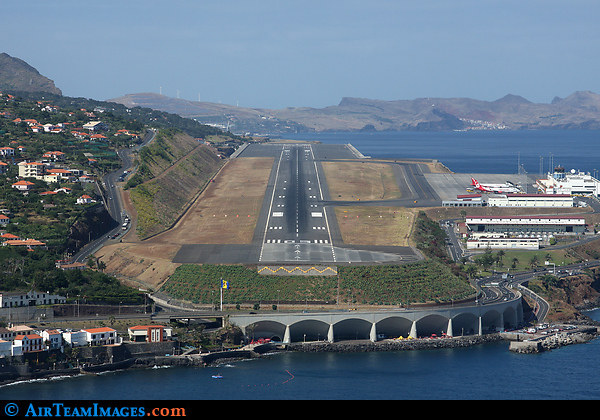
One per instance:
(509, 187)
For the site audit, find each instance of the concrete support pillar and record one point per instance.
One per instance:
(480, 327)
(286, 335)
(330, 333)
(501, 326)
(413, 330)
(449, 329)
(373, 334)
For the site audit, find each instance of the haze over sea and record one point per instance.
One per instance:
(488, 371)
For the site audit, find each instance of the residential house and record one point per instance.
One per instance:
(5, 348)
(149, 333)
(31, 170)
(56, 155)
(75, 338)
(58, 174)
(98, 137)
(53, 337)
(23, 185)
(85, 199)
(7, 151)
(95, 126)
(102, 336)
(3, 167)
(21, 330)
(6, 334)
(4, 219)
(8, 237)
(29, 243)
(29, 343)
(71, 266)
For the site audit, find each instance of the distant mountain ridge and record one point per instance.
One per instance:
(580, 110)
(17, 75)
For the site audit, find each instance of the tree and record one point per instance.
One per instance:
(533, 262)
(515, 261)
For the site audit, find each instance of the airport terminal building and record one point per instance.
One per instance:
(526, 225)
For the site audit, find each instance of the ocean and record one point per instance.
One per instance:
(484, 372)
(484, 151)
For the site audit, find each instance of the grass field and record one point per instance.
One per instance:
(360, 181)
(375, 225)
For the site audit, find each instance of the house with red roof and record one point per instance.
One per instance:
(29, 343)
(102, 336)
(23, 185)
(149, 333)
(85, 199)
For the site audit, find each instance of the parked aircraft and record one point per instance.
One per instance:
(509, 187)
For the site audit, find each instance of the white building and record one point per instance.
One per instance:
(31, 298)
(572, 183)
(530, 200)
(5, 348)
(504, 243)
(150, 333)
(101, 336)
(54, 337)
(75, 338)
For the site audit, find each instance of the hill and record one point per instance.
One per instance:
(17, 75)
(577, 111)
(172, 171)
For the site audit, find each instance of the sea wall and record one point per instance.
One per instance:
(392, 345)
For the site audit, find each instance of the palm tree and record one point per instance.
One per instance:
(515, 261)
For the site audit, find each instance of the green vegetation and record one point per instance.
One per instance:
(420, 282)
(49, 212)
(24, 270)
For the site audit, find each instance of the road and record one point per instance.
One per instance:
(112, 200)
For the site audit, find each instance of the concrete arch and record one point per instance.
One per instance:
(352, 329)
(492, 320)
(465, 324)
(511, 318)
(265, 329)
(394, 326)
(308, 330)
(432, 324)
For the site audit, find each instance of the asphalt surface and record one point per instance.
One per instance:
(297, 222)
(112, 201)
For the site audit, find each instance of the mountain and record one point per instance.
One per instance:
(581, 110)
(17, 75)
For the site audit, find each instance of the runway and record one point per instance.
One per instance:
(297, 222)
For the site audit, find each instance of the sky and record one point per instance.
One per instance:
(287, 53)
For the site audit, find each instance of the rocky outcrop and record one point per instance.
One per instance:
(552, 342)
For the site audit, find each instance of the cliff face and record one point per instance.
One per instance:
(570, 296)
(18, 76)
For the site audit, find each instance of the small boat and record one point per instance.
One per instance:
(218, 376)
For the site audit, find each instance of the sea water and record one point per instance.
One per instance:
(479, 151)
(483, 372)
